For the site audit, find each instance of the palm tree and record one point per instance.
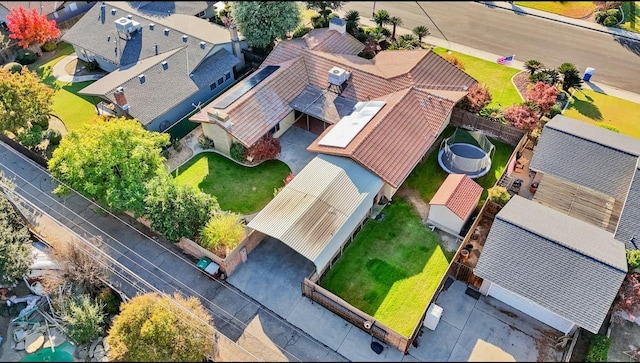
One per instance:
(421, 31)
(533, 66)
(407, 41)
(352, 17)
(554, 76)
(396, 21)
(376, 35)
(381, 17)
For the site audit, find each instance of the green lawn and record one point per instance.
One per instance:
(571, 9)
(491, 74)
(598, 109)
(73, 109)
(238, 189)
(631, 24)
(391, 269)
(428, 176)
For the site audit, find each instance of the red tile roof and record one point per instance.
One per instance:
(459, 193)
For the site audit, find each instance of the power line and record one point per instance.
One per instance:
(436, 25)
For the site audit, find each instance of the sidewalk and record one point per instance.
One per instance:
(61, 74)
(517, 64)
(563, 19)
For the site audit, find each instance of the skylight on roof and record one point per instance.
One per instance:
(349, 126)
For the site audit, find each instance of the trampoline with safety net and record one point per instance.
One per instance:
(466, 152)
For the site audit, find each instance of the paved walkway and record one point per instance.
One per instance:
(598, 87)
(61, 74)
(562, 19)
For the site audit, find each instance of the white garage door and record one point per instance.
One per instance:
(530, 308)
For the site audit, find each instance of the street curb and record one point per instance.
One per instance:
(631, 36)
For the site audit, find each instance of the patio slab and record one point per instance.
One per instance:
(437, 345)
(294, 152)
(325, 326)
(357, 348)
(458, 305)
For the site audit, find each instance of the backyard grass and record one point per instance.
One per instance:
(571, 9)
(600, 109)
(391, 269)
(427, 177)
(631, 24)
(238, 188)
(73, 109)
(491, 74)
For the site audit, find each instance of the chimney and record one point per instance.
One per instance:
(338, 24)
(121, 100)
(103, 9)
(235, 44)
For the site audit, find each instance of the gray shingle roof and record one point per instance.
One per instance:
(587, 155)
(562, 264)
(629, 223)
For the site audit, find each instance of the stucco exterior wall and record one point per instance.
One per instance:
(285, 124)
(220, 137)
(443, 218)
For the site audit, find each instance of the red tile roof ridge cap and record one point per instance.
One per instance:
(464, 184)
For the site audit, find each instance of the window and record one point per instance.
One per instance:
(227, 76)
(220, 81)
(73, 6)
(275, 129)
(212, 86)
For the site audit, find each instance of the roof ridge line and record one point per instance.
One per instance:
(593, 141)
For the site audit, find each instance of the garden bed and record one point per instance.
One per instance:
(391, 269)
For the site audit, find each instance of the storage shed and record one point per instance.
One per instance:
(453, 203)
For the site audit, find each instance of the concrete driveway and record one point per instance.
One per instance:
(294, 152)
(484, 330)
(272, 275)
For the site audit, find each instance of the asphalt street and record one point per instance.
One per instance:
(495, 30)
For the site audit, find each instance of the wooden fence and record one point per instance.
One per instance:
(39, 159)
(355, 316)
(505, 133)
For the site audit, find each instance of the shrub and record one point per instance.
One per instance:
(31, 136)
(477, 98)
(615, 13)
(498, 194)
(522, 116)
(300, 31)
(555, 110)
(175, 143)
(609, 127)
(542, 95)
(599, 16)
(92, 66)
(26, 56)
(205, 142)
(83, 318)
(49, 46)
(238, 152)
(268, 147)
(610, 21)
(54, 136)
(110, 300)
(451, 58)
(42, 122)
(494, 114)
(13, 67)
(633, 258)
(224, 231)
(598, 348)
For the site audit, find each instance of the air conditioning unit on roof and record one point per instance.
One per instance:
(337, 76)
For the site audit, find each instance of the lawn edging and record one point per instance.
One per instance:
(198, 150)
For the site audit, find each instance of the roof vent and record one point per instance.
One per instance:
(202, 44)
(141, 78)
(155, 48)
(184, 38)
(129, 16)
(113, 11)
(151, 26)
(337, 76)
(165, 65)
(166, 31)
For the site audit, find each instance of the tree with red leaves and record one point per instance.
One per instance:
(268, 147)
(522, 116)
(29, 27)
(477, 97)
(543, 95)
(628, 299)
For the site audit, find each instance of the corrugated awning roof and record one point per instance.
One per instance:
(320, 207)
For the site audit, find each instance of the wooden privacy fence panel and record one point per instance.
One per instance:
(505, 133)
(355, 316)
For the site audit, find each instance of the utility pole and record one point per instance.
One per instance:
(373, 12)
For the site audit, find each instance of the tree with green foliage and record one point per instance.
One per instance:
(352, 17)
(320, 5)
(15, 243)
(533, 66)
(24, 99)
(263, 22)
(395, 21)
(152, 328)
(224, 229)
(381, 17)
(570, 76)
(83, 317)
(177, 211)
(421, 31)
(111, 161)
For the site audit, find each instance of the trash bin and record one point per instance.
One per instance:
(588, 73)
(433, 316)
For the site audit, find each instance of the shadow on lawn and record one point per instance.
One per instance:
(587, 108)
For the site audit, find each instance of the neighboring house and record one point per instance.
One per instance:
(376, 119)
(383, 113)
(591, 174)
(162, 60)
(553, 267)
(60, 11)
(454, 202)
